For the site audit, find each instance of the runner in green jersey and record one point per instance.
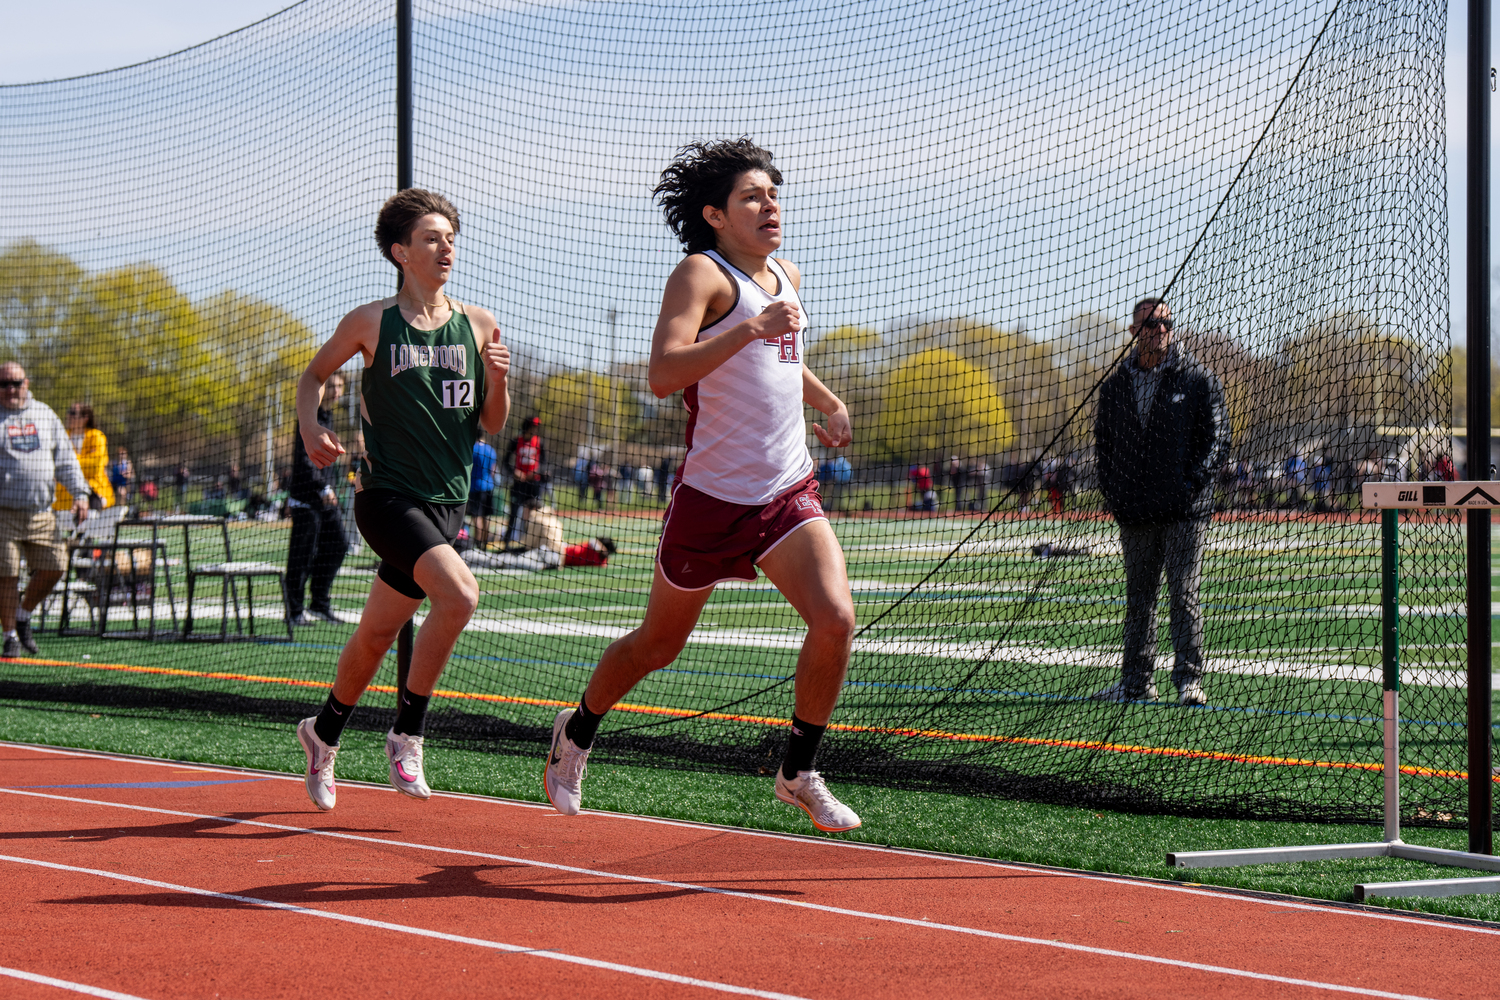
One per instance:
(435, 372)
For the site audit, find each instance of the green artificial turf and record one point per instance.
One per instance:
(1088, 839)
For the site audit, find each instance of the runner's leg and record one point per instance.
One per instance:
(808, 568)
(671, 614)
(454, 595)
(384, 613)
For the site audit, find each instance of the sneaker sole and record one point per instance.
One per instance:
(305, 774)
(409, 790)
(820, 826)
(557, 731)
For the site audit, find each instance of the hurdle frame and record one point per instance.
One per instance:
(1389, 498)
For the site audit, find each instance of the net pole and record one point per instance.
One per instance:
(1390, 659)
(1478, 309)
(403, 95)
(406, 637)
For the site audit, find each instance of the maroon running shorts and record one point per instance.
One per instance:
(707, 540)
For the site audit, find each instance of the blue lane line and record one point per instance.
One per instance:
(151, 784)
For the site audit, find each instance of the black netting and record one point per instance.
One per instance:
(976, 194)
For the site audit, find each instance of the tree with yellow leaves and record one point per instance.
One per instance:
(936, 403)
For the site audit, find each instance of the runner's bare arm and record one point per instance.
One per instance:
(358, 332)
(495, 357)
(821, 398)
(699, 291)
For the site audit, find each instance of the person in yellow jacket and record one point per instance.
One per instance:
(93, 454)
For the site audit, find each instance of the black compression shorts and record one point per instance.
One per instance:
(400, 529)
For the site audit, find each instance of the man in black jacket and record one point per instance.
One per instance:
(1160, 436)
(317, 547)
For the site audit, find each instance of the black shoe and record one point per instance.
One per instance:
(12, 648)
(23, 633)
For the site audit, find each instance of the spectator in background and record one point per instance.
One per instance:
(1443, 469)
(92, 451)
(663, 478)
(921, 495)
(482, 490)
(594, 552)
(233, 483)
(1160, 434)
(979, 479)
(598, 477)
(1060, 484)
(956, 482)
(35, 455)
(524, 457)
(317, 546)
(122, 476)
(581, 473)
(839, 474)
(1295, 471)
(181, 482)
(1322, 484)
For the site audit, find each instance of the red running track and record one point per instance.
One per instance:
(153, 879)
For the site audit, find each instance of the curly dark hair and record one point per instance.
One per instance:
(704, 173)
(399, 215)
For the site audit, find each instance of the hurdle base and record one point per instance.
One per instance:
(1377, 849)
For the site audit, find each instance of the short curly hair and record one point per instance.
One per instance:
(703, 173)
(399, 215)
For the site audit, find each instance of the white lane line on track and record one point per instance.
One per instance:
(514, 949)
(722, 987)
(710, 890)
(63, 984)
(740, 831)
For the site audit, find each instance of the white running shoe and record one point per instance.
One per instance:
(808, 793)
(320, 756)
(405, 754)
(566, 765)
(1119, 692)
(1191, 693)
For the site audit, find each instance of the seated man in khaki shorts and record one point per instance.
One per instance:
(35, 454)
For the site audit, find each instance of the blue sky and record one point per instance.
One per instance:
(72, 37)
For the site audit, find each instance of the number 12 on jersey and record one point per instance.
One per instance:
(458, 394)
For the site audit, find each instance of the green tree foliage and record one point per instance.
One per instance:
(582, 408)
(936, 403)
(256, 351)
(171, 380)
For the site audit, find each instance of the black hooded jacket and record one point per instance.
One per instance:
(1164, 471)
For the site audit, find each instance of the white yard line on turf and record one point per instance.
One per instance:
(63, 984)
(1191, 889)
(723, 987)
(384, 925)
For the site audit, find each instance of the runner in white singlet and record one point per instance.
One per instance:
(746, 436)
(730, 337)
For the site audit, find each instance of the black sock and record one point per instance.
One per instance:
(331, 720)
(582, 726)
(411, 713)
(801, 745)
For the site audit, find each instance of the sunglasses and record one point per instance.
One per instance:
(12, 383)
(1157, 324)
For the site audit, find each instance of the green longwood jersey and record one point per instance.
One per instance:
(420, 409)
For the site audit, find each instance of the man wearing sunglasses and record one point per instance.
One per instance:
(1160, 435)
(35, 455)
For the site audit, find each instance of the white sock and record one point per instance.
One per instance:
(22, 615)
(11, 634)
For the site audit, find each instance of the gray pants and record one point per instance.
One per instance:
(1150, 548)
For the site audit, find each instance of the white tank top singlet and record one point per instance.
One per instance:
(746, 434)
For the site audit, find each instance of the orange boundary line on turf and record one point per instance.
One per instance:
(766, 720)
